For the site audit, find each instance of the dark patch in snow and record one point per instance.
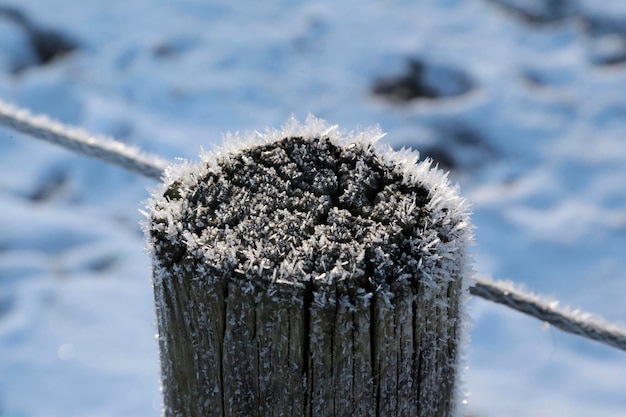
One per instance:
(607, 43)
(440, 156)
(102, 264)
(424, 81)
(45, 44)
(50, 187)
(469, 148)
(607, 34)
(173, 47)
(538, 12)
(458, 147)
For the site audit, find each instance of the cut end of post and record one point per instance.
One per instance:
(316, 272)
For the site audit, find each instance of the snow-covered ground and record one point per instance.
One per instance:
(525, 100)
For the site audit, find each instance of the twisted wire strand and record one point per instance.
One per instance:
(81, 141)
(132, 159)
(570, 321)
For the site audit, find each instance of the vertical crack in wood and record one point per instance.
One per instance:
(222, 343)
(306, 350)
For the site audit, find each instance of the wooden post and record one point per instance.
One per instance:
(309, 274)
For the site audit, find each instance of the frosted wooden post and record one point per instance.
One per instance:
(309, 274)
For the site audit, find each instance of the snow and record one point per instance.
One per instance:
(536, 144)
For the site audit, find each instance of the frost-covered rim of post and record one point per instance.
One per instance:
(443, 207)
(405, 161)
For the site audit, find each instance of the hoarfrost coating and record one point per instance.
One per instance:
(312, 219)
(266, 202)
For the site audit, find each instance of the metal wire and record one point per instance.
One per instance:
(575, 322)
(80, 141)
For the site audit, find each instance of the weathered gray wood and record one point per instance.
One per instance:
(333, 291)
(240, 353)
(190, 317)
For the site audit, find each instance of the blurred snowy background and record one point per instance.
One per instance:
(523, 100)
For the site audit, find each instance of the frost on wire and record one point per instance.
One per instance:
(80, 141)
(306, 272)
